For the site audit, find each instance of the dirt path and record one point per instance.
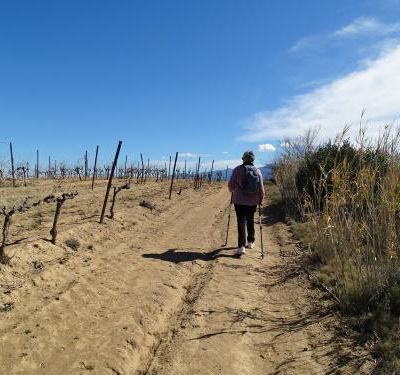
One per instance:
(156, 294)
(253, 316)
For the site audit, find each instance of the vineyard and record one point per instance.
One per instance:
(124, 271)
(61, 181)
(19, 174)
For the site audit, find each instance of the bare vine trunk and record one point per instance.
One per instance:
(113, 203)
(53, 230)
(6, 227)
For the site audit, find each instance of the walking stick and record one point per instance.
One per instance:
(261, 236)
(229, 220)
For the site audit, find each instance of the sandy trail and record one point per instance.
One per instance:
(156, 294)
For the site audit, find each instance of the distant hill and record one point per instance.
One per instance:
(266, 172)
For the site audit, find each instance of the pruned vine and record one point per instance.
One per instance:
(59, 203)
(8, 214)
(117, 189)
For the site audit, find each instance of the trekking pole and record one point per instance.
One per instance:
(261, 236)
(229, 220)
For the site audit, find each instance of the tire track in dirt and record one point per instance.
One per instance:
(194, 291)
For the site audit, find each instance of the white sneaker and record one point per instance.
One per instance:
(250, 245)
(240, 250)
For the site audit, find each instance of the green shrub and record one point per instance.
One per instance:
(315, 178)
(73, 244)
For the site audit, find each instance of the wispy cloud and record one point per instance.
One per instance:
(266, 147)
(374, 87)
(306, 42)
(360, 27)
(367, 26)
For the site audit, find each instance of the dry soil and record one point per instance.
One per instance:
(155, 292)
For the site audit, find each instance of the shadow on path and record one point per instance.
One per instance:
(273, 213)
(180, 256)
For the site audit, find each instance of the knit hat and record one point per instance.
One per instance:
(248, 156)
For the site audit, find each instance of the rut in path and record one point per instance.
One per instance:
(181, 318)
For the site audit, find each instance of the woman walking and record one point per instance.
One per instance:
(246, 185)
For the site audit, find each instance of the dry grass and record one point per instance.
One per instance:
(353, 232)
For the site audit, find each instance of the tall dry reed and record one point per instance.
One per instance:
(354, 212)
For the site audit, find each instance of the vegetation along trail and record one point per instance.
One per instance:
(154, 292)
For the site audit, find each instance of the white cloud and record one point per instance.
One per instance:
(367, 26)
(218, 164)
(187, 155)
(225, 152)
(204, 164)
(221, 164)
(266, 147)
(375, 87)
(360, 27)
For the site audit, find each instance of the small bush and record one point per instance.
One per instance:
(73, 244)
(8, 306)
(315, 178)
(147, 204)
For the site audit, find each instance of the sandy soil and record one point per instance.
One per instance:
(154, 292)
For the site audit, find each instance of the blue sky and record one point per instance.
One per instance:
(209, 78)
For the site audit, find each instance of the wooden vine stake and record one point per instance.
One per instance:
(95, 166)
(37, 164)
(137, 173)
(103, 211)
(116, 191)
(86, 165)
(126, 162)
(173, 176)
(147, 170)
(60, 201)
(169, 168)
(12, 165)
(142, 173)
(197, 175)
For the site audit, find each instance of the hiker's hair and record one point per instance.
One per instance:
(248, 156)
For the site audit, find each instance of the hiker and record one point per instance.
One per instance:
(246, 186)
